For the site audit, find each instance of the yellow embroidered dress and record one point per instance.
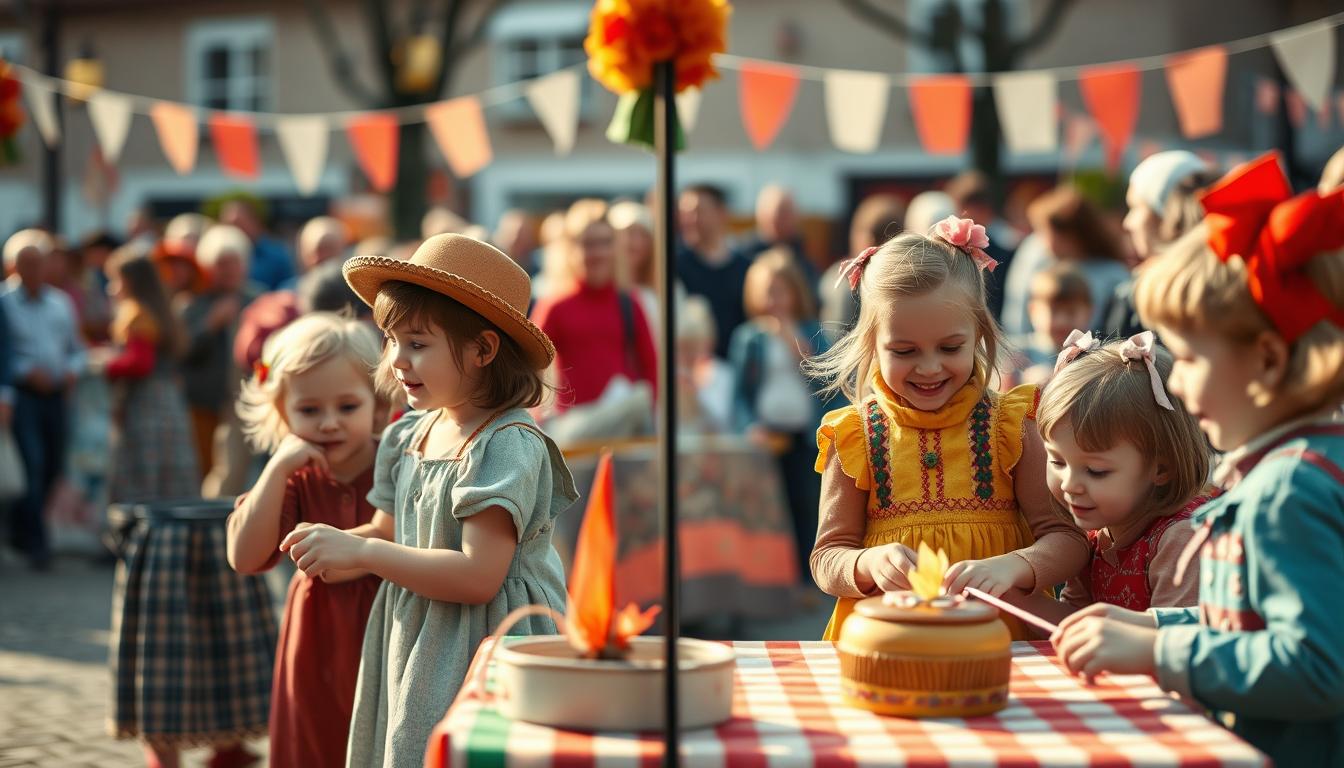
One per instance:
(941, 477)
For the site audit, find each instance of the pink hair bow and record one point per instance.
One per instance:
(1140, 347)
(1077, 344)
(968, 237)
(853, 268)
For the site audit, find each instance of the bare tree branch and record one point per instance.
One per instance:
(338, 59)
(476, 36)
(380, 37)
(1045, 28)
(887, 21)
(447, 44)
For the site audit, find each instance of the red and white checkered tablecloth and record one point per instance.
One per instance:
(787, 711)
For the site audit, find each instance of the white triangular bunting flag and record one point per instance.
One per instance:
(555, 99)
(1307, 54)
(1027, 107)
(688, 108)
(40, 95)
(856, 105)
(303, 140)
(111, 117)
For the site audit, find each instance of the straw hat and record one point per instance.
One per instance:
(466, 270)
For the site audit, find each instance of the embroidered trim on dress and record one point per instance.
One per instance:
(982, 458)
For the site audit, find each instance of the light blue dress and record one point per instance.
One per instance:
(416, 650)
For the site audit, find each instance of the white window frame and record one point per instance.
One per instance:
(13, 45)
(547, 23)
(237, 34)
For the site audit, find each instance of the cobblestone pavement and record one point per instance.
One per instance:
(54, 680)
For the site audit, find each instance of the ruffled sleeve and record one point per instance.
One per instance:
(843, 428)
(392, 447)
(1015, 408)
(519, 469)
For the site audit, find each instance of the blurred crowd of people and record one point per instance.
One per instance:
(120, 360)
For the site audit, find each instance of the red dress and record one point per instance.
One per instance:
(1126, 583)
(322, 634)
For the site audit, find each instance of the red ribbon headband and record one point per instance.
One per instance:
(1251, 213)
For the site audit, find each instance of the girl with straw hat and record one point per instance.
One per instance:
(466, 487)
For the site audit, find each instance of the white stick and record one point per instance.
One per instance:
(1020, 613)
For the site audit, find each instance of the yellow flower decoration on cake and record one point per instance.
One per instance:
(926, 580)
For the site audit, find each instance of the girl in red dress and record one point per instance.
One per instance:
(1129, 465)
(312, 404)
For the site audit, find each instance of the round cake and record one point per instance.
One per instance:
(941, 658)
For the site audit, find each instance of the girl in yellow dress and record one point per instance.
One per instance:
(927, 452)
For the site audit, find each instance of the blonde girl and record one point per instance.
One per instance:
(928, 452)
(311, 405)
(466, 487)
(1127, 463)
(1251, 305)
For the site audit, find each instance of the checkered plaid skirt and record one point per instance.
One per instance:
(193, 642)
(153, 456)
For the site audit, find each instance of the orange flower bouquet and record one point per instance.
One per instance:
(627, 37)
(11, 114)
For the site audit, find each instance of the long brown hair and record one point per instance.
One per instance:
(1064, 210)
(132, 265)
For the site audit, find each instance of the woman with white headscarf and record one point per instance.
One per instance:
(1163, 205)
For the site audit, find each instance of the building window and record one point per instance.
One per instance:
(229, 64)
(529, 40)
(11, 47)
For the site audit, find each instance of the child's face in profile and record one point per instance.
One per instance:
(1213, 377)
(431, 372)
(926, 347)
(331, 405)
(1056, 319)
(1098, 488)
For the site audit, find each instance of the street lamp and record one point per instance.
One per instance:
(417, 59)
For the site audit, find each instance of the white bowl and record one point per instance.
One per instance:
(541, 680)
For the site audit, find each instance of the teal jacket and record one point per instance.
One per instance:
(746, 354)
(1266, 643)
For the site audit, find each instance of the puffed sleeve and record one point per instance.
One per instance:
(1016, 407)
(513, 468)
(395, 442)
(843, 428)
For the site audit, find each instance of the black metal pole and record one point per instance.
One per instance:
(665, 236)
(51, 160)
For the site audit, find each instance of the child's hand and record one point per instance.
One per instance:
(1089, 643)
(316, 549)
(295, 453)
(995, 575)
(889, 566)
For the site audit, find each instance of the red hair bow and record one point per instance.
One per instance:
(1251, 213)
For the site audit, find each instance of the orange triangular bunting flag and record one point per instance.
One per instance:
(373, 138)
(591, 594)
(179, 135)
(235, 140)
(1196, 82)
(1112, 96)
(767, 94)
(941, 105)
(459, 129)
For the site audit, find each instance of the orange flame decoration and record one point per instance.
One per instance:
(595, 629)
